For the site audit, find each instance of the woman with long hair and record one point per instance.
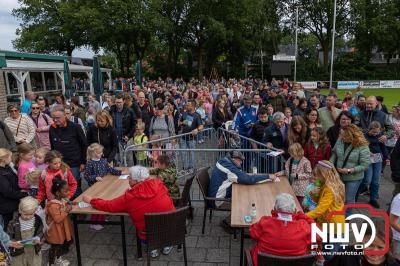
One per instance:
(351, 158)
(344, 119)
(311, 118)
(298, 131)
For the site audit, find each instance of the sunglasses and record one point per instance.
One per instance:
(13, 111)
(35, 108)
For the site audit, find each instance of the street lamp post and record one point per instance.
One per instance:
(333, 44)
(295, 44)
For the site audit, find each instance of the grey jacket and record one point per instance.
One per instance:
(7, 138)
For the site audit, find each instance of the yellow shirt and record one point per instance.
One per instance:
(139, 139)
(327, 204)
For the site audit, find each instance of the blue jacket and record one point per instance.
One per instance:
(244, 117)
(224, 174)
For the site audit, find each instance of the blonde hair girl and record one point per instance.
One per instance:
(331, 193)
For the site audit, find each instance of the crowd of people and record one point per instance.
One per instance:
(334, 150)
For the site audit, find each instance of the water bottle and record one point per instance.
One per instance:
(253, 211)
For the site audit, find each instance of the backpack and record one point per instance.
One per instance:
(166, 121)
(44, 117)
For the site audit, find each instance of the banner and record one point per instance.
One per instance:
(342, 85)
(390, 84)
(309, 85)
(370, 84)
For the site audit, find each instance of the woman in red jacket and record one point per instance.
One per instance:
(285, 233)
(146, 195)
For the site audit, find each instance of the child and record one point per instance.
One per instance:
(171, 148)
(311, 195)
(96, 168)
(33, 180)
(25, 164)
(59, 234)
(167, 173)
(5, 245)
(298, 170)
(40, 154)
(318, 147)
(27, 225)
(377, 153)
(55, 167)
(288, 115)
(155, 150)
(331, 198)
(140, 138)
(270, 112)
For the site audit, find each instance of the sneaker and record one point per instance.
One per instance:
(365, 192)
(154, 253)
(374, 204)
(167, 250)
(61, 262)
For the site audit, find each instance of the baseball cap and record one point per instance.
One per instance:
(236, 154)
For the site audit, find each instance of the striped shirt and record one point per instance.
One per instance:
(26, 129)
(26, 225)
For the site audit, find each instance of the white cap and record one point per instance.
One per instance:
(285, 202)
(139, 173)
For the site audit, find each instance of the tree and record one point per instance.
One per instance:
(47, 27)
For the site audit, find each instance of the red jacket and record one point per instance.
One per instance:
(46, 181)
(275, 238)
(315, 155)
(149, 196)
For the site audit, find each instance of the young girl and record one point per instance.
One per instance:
(331, 197)
(96, 168)
(140, 138)
(40, 154)
(298, 170)
(25, 164)
(56, 167)
(10, 193)
(59, 234)
(288, 115)
(27, 225)
(171, 147)
(32, 178)
(318, 147)
(377, 153)
(155, 150)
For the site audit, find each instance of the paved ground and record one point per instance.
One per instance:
(214, 248)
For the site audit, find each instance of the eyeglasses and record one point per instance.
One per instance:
(13, 111)
(35, 108)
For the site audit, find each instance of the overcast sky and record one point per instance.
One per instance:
(8, 25)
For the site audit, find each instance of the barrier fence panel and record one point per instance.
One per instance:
(189, 152)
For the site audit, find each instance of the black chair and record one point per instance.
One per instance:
(166, 229)
(273, 260)
(203, 179)
(185, 200)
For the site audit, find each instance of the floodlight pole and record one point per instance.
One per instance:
(333, 44)
(295, 44)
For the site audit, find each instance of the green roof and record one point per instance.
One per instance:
(32, 56)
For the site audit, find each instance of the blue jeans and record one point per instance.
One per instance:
(188, 157)
(371, 177)
(351, 188)
(77, 175)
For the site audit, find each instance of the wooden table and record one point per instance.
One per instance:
(109, 188)
(263, 195)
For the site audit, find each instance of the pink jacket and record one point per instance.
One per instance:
(24, 168)
(42, 137)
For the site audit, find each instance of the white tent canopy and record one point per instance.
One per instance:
(21, 69)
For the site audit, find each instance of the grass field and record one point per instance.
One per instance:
(391, 96)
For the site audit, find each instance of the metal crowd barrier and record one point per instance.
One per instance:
(189, 152)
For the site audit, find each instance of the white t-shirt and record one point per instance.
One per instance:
(395, 210)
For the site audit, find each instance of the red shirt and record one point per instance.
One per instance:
(149, 196)
(282, 238)
(314, 155)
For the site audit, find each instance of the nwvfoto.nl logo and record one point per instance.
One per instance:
(336, 233)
